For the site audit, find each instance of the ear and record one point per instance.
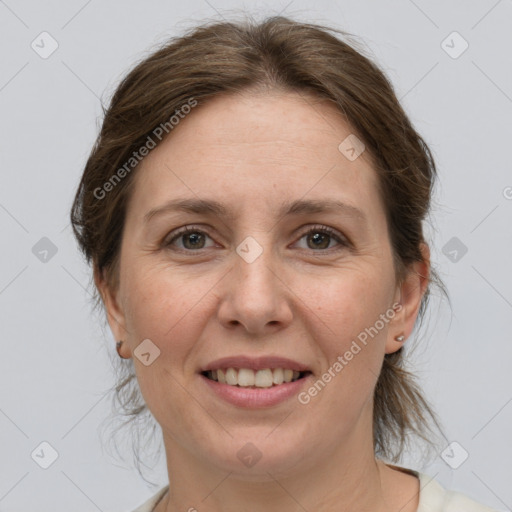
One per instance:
(115, 314)
(409, 295)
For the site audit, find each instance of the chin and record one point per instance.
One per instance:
(257, 457)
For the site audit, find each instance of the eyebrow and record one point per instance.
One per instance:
(298, 207)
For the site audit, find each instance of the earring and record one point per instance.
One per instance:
(118, 348)
(400, 338)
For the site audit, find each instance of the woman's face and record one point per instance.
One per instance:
(257, 280)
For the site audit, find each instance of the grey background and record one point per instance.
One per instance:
(55, 364)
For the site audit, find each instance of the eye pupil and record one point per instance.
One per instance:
(318, 237)
(194, 236)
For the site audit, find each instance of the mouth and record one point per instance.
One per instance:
(253, 379)
(250, 382)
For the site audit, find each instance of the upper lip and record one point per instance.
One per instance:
(255, 363)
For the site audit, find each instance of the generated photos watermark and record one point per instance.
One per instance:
(304, 397)
(158, 133)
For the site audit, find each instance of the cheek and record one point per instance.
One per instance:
(159, 303)
(349, 302)
(348, 325)
(162, 309)
(351, 355)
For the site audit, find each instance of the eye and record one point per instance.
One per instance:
(192, 238)
(322, 238)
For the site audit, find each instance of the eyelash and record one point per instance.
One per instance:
(315, 229)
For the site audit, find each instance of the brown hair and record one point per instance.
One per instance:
(222, 58)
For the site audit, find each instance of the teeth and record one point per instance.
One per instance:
(231, 377)
(263, 378)
(245, 377)
(278, 376)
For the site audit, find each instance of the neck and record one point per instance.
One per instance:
(348, 479)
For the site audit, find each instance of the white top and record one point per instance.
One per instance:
(433, 498)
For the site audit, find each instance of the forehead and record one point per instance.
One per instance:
(257, 148)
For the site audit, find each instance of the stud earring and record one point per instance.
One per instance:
(400, 338)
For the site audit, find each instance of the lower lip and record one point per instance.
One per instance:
(256, 398)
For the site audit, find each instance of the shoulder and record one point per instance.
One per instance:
(435, 498)
(150, 504)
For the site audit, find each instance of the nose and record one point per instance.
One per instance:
(255, 295)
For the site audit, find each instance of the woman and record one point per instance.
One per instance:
(253, 213)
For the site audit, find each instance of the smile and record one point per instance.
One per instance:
(248, 378)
